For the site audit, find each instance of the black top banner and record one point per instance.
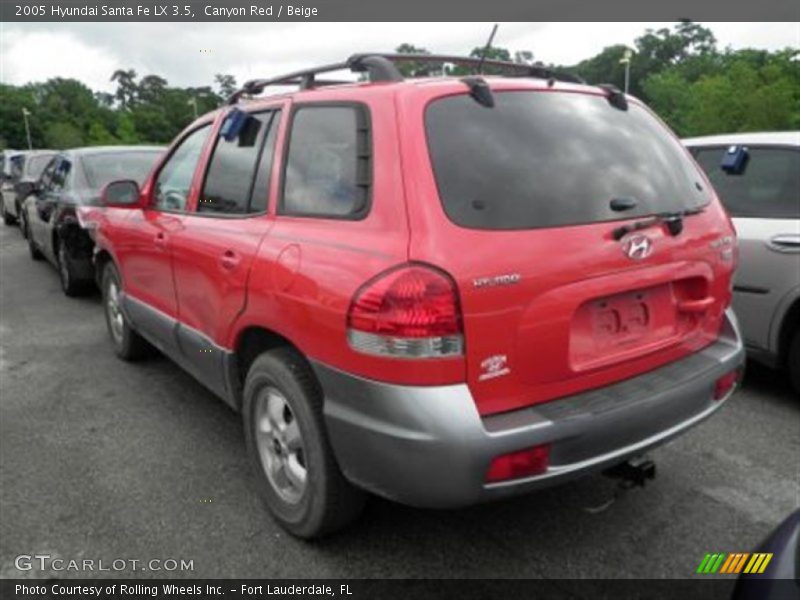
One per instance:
(394, 10)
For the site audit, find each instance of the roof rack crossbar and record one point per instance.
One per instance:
(380, 67)
(513, 68)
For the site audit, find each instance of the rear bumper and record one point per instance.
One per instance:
(428, 446)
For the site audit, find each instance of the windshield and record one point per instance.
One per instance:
(102, 169)
(36, 165)
(547, 159)
(17, 164)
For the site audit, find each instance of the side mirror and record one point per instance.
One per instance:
(121, 194)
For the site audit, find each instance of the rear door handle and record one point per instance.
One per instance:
(160, 240)
(696, 306)
(785, 242)
(229, 259)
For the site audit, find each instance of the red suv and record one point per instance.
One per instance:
(438, 290)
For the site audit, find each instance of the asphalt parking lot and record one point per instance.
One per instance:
(103, 459)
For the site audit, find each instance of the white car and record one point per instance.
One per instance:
(757, 176)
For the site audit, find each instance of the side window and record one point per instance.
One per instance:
(47, 176)
(769, 186)
(60, 175)
(328, 166)
(175, 178)
(229, 184)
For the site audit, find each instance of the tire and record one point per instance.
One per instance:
(71, 285)
(34, 251)
(23, 225)
(8, 220)
(793, 361)
(128, 344)
(285, 436)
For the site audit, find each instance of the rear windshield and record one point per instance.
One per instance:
(547, 159)
(102, 169)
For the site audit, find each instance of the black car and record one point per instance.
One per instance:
(781, 580)
(76, 178)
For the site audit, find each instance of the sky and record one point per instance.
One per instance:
(190, 54)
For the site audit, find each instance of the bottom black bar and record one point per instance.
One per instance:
(358, 589)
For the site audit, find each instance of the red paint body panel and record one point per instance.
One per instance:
(581, 314)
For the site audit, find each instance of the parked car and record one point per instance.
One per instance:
(780, 579)
(441, 291)
(26, 170)
(762, 193)
(13, 161)
(71, 179)
(5, 162)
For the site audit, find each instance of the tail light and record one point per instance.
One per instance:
(410, 311)
(523, 463)
(725, 384)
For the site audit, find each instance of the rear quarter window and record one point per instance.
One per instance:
(548, 159)
(769, 186)
(328, 163)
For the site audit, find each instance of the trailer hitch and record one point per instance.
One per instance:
(634, 472)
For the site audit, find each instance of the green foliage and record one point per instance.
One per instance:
(696, 88)
(410, 69)
(740, 91)
(62, 135)
(226, 84)
(100, 136)
(65, 113)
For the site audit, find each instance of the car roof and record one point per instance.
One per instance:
(767, 138)
(93, 150)
(26, 153)
(424, 86)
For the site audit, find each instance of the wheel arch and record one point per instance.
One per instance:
(249, 343)
(101, 258)
(789, 324)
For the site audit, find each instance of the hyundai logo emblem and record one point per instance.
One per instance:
(637, 247)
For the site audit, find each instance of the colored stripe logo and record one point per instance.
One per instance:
(734, 563)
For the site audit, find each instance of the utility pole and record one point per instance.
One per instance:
(193, 102)
(25, 114)
(626, 60)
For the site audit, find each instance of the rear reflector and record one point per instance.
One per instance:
(523, 463)
(410, 311)
(725, 384)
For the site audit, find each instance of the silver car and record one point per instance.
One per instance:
(24, 167)
(757, 176)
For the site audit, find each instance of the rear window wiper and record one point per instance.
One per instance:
(673, 220)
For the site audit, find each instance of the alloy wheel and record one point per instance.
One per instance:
(280, 445)
(115, 317)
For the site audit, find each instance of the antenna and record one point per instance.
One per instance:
(486, 49)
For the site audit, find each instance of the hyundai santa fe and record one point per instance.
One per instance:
(438, 290)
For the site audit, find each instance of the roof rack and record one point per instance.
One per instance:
(381, 67)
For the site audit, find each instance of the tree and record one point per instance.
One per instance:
(100, 136)
(126, 131)
(12, 127)
(411, 69)
(61, 136)
(126, 87)
(226, 85)
(151, 88)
